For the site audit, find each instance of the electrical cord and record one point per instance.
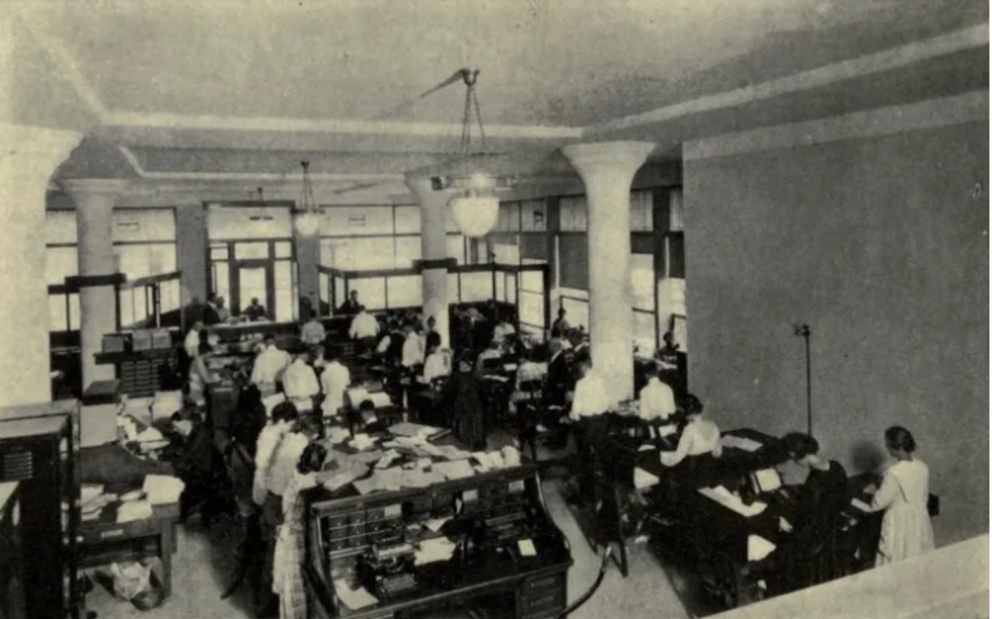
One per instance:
(585, 597)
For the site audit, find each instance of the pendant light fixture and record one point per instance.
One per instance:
(475, 205)
(308, 213)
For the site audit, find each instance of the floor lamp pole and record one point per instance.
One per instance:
(805, 331)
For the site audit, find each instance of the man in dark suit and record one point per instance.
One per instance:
(351, 306)
(197, 464)
(559, 380)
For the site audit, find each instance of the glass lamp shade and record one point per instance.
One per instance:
(308, 224)
(475, 215)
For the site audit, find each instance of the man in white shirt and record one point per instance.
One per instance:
(590, 397)
(656, 400)
(299, 382)
(192, 342)
(284, 415)
(436, 365)
(334, 382)
(493, 352)
(413, 352)
(312, 332)
(269, 366)
(363, 325)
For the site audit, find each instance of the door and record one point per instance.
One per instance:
(252, 279)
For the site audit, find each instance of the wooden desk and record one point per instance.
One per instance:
(104, 541)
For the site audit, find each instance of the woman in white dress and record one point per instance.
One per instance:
(906, 529)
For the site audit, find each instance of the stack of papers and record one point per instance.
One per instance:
(337, 434)
(162, 489)
(355, 599)
(733, 502)
(434, 550)
(407, 428)
(740, 442)
(134, 510)
(387, 459)
(453, 453)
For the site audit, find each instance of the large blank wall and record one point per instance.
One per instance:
(880, 244)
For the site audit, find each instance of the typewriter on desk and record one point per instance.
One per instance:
(386, 568)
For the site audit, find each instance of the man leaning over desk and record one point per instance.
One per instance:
(269, 366)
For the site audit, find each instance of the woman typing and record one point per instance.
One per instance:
(700, 437)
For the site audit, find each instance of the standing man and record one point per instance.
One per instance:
(364, 329)
(560, 326)
(335, 381)
(590, 394)
(299, 382)
(196, 465)
(193, 339)
(657, 401)
(312, 333)
(269, 366)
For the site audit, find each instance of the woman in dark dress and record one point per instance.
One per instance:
(465, 404)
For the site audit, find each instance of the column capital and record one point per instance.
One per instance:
(39, 149)
(82, 188)
(422, 188)
(591, 157)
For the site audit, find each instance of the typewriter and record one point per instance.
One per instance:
(386, 568)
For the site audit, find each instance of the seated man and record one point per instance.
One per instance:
(255, 311)
(334, 383)
(413, 352)
(299, 382)
(502, 330)
(351, 306)
(198, 465)
(590, 398)
(312, 333)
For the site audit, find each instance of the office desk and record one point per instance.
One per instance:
(104, 541)
(343, 527)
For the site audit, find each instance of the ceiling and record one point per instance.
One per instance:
(239, 91)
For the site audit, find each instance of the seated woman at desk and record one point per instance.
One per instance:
(906, 528)
(200, 375)
(701, 437)
(287, 577)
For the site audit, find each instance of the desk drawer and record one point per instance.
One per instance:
(112, 532)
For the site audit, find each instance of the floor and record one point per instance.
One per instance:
(204, 564)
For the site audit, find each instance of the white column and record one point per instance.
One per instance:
(433, 247)
(94, 199)
(607, 170)
(31, 155)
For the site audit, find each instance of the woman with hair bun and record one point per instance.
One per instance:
(906, 529)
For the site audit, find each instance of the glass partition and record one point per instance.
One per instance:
(404, 291)
(476, 287)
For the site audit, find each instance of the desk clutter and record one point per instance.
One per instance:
(398, 522)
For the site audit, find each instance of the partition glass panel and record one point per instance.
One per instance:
(252, 285)
(532, 309)
(511, 288)
(578, 312)
(142, 260)
(407, 250)
(285, 291)
(456, 247)
(370, 254)
(325, 288)
(74, 311)
(60, 263)
(169, 295)
(58, 317)
(222, 281)
(644, 332)
(371, 292)
(339, 292)
(405, 291)
(501, 287)
(476, 287)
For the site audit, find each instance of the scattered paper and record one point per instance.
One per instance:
(511, 457)
(434, 550)
(740, 442)
(768, 480)
(435, 524)
(643, 479)
(457, 469)
(733, 502)
(526, 547)
(337, 434)
(387, 459)
(361, 442)
(646, 447)
(758, 548)
(407, 428)
(510, 367)
(134, 510)
(453, 453)
(497, 378)
(861, 505)
(355, 599)
(668, 430)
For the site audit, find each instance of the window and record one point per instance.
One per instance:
(144, 225)
(677, 210)
(573, 214)
(405, 291)
(456, 247)
(144, 259)
(642, 281)
(506, 253)
(641, 211)
(476, 286)
(407, 220)
(577, 312)
(60, 263)
(644, 332)
(533, 215)
(407, 250)
(509, 217)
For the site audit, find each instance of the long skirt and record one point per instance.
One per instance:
(287, 577)
(906, 532)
